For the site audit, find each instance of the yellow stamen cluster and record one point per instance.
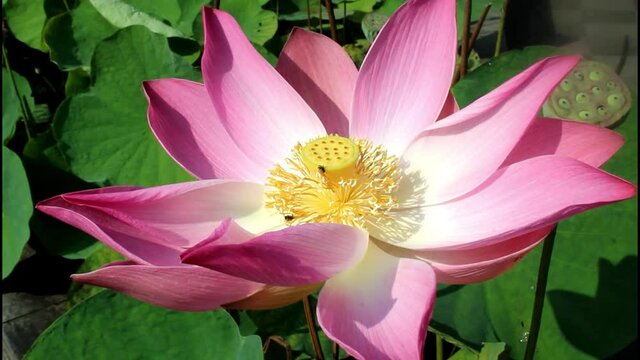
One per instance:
(355, 189)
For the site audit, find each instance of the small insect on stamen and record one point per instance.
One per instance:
(289, 217)
(322, 169)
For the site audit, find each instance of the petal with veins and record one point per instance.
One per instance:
(588, 143)
(459, 152)
(298, 255)
(183, 288)
(405, 77)
(323, 74)
(184, 121)
(380, 308)
(262, 113)
(515, 200)
(465, 266)
(152, 225)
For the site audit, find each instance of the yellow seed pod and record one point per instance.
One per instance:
(333, 155)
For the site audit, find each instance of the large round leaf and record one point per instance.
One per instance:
(72, 36)
(259, 25)
(112, 326)
(11, 107)
(16, 210)
(590, 307)
(26, 19)
(121, 14)
(104, 132)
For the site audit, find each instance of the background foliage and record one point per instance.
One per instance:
(74, 117)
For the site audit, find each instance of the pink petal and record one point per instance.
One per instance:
(323, 74)
(450, 106)
(458, 153)
(298, 255)
(273, 297)
(405, 77)
(465, 266)
(153, 225)
(380, 309)
(517, 199)
(588, 143)
(125, 239)
(261, 112)
(182, 287)
(184, 121)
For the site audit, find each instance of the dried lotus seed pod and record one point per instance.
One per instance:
(593, 93)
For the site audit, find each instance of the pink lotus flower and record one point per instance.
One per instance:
(379, 212)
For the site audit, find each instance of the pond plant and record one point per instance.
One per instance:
(376, 194)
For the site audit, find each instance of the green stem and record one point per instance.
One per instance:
(503, 15)
(476, 30)
(438, 347)
(541, 289)
(23, 105)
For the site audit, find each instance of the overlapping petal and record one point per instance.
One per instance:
(405, 77)
(261, 112)
(298, 255)
(458, 153)
(379, 309)
(180, 287)
(450, 106)
(464, 266)
(515, 200)
(588, 143)
(153, 225)
(271, 297)
(323, 74)
(183, 119)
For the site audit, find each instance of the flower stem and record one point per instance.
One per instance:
(332, 20)
(476, 30)
(503, 15)
(216, 4)
(312, 328)
(464, 47)
(439, 355)
(280, 341)
(541, 288)
(335, 351)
